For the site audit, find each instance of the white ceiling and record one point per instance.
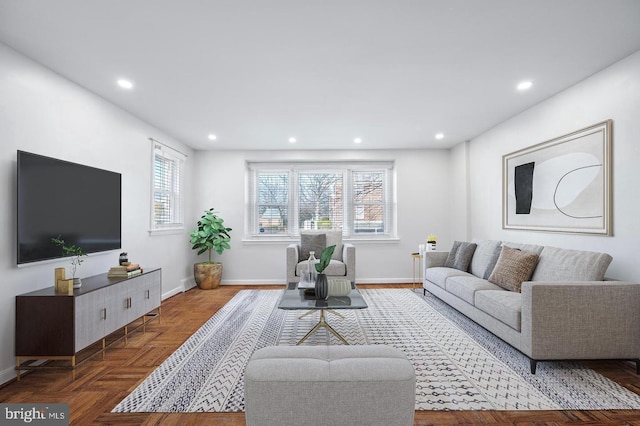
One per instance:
(256, 72)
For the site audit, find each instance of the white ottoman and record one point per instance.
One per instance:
(329, 385)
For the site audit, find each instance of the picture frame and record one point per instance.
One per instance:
(561, 185)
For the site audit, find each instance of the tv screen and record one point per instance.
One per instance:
(82, 204)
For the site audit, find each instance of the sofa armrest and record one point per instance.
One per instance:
(433, 259)
(349, 260)
(293, 254)
(581, 320)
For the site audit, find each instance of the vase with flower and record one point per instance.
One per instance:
(322, 283)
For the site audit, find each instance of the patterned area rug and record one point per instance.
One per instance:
(458, 364)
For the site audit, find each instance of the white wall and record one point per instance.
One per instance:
(613, 93)
(459, 200)
(422, 182)
(41, 112)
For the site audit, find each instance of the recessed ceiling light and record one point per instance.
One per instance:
(292, 140)
(212, 137)
(125, 84)
(357, 140)
(525, 85)
(439, 135)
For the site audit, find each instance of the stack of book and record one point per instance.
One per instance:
(126, 270)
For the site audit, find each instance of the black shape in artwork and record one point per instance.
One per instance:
(523, 180)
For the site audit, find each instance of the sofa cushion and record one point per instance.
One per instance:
(312, 242)
(512, 268)
(485, 257)
(465, 287)
(558, 264)
(505, 306)
(460, 255)
(439, 275)
(532, 248)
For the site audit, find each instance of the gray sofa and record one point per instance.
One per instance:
(564, 311)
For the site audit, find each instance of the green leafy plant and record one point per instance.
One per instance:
(211, 234)
(325, 258)
(72, 250)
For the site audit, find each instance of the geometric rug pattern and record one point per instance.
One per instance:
(458, 364)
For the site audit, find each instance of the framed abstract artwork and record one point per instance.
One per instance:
(561, 185)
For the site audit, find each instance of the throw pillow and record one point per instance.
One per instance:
(312, 242)
(460, 255)
(512, 268)
(492, 263)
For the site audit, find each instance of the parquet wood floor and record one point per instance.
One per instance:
(101, 384)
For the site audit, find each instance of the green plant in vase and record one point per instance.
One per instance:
(75, 252)
(322, 283)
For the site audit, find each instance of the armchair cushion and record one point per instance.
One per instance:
(334, 238)
(312, 242)
(335, 268)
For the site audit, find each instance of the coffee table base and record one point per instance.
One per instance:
(322, 323)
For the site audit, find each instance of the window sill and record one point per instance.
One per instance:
(289, 240)
(167, 231)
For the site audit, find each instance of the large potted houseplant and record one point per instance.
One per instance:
(210, 235)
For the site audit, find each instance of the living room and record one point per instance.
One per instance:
(454, 192)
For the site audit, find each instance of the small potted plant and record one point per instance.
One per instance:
(76, 254)
(211, 234)
(322, 283)
(431, 242)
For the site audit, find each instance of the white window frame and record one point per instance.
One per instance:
(175, 193)
(347, 169)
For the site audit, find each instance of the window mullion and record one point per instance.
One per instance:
(294, 200)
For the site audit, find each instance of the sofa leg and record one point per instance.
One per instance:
(533, 363)
(637, 366)
(424, 291)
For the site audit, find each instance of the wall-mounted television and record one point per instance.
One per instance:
(82, 204)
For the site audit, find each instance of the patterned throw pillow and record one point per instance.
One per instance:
(312, 242)
(512, 268)
(460, 255)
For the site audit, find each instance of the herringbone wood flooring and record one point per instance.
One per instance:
(100, 384)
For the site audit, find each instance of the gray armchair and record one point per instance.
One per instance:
(343, 261)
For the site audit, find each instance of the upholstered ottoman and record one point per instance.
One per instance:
(329, 385)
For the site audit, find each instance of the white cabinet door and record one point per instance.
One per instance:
(89, 318)
(137, 292)
(116, 303)
(153, 294)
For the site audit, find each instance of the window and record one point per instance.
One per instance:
(369, 202)
(356, 198)
(166, 199)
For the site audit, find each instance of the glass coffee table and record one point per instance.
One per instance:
(296, 299)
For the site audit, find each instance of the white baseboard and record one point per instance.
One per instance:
(7, 375)
(185, 284)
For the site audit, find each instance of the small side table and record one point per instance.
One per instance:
(418, 257)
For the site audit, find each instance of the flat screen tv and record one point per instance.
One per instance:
(82, 204)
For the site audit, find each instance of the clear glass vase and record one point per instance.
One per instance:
(311, 266)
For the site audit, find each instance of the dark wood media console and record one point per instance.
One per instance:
(51, 326)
